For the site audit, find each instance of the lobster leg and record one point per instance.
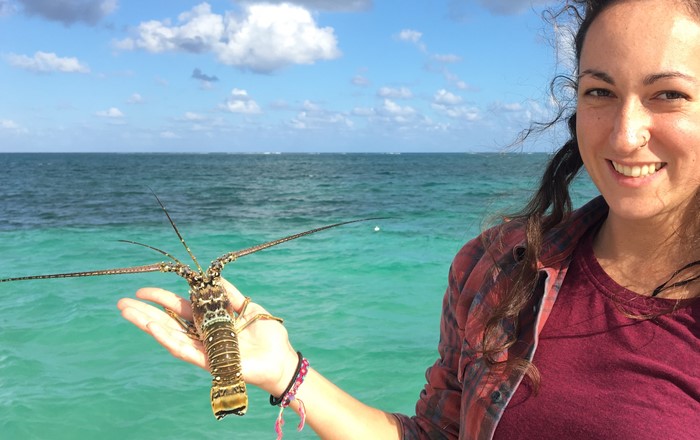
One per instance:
(187, 326)
(254, 317)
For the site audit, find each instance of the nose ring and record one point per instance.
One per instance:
(645, 142)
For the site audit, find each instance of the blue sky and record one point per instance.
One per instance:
(302, 76)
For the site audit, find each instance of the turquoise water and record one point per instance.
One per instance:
(362, 304)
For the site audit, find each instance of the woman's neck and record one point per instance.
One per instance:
(642, 255)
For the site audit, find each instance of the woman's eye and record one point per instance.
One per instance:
(670, 95)
(598, 93)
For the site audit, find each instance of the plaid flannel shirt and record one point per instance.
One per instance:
(463, 398)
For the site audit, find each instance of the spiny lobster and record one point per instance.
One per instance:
(215, 322)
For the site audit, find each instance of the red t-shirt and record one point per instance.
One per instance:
(606, 375)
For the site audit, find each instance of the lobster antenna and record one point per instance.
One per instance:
(155, 249)
(119, 271)
(182, 240)
(231, 256)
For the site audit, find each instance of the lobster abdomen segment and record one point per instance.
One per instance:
(228, 391)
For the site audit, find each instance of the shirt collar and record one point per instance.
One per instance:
(560, 241)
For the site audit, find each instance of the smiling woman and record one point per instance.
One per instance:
(546, 329)
(638, 117)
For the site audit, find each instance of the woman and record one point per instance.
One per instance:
(556, 324)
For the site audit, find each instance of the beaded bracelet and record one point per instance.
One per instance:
(290, 394)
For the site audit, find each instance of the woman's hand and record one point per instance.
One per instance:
(268, 360)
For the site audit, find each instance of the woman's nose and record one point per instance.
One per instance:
(631, 129)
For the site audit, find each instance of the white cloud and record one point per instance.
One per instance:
(70, 11)
(409, 35)
(508, 107)
(462, 85)
(47, 62)
(240, 102)
(313, 121)
(454, 79)
(191, 116)
(314, 117)
(8, 124)
(415, 37)
(412, 36)
(521, 114)
(169, 135)
(395, 93)
(360, 80)
(264, 38)
(447, 58)
(111, 112)
(467, 113)
(363, 111)
(459, 112)
(135, 98)
(299, 122)
(11, 126)
(310, 106)
(511, 7)
(328, 5)
(197, 122)
(444, 97)
(392, 108)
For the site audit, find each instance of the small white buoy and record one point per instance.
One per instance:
(376, 228)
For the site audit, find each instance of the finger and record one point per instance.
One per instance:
(134, 316)
(167, 299)
(179, 345)
(159, 327)
(234, 294)
(140, 314)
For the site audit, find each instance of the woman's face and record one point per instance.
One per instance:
(638, 111)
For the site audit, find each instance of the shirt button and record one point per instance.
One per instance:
(496, 396)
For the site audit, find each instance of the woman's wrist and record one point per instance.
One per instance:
(299, 374)
(289, 364)
(289, 395)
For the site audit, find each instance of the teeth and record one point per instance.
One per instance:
(637, 170)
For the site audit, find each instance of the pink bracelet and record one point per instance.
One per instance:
(290, 395)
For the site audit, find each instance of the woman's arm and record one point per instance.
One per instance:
(268, 361)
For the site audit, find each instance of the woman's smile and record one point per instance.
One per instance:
(637, 170)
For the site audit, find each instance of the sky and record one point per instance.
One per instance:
(296, 76)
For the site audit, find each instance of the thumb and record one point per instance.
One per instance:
(235, 296)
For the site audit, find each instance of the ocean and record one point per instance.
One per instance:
(362, 301)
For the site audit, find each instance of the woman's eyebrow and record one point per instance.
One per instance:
(651, 79)
(598, 74)
(648, 80)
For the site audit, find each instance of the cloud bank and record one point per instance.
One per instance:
(240, 102)
(265, 37)
(511, 7)
(326, 5)
(45, 62)
(198, 74)
(69, 12)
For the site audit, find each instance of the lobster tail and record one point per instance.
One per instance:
(228, 391)
(229, 399)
